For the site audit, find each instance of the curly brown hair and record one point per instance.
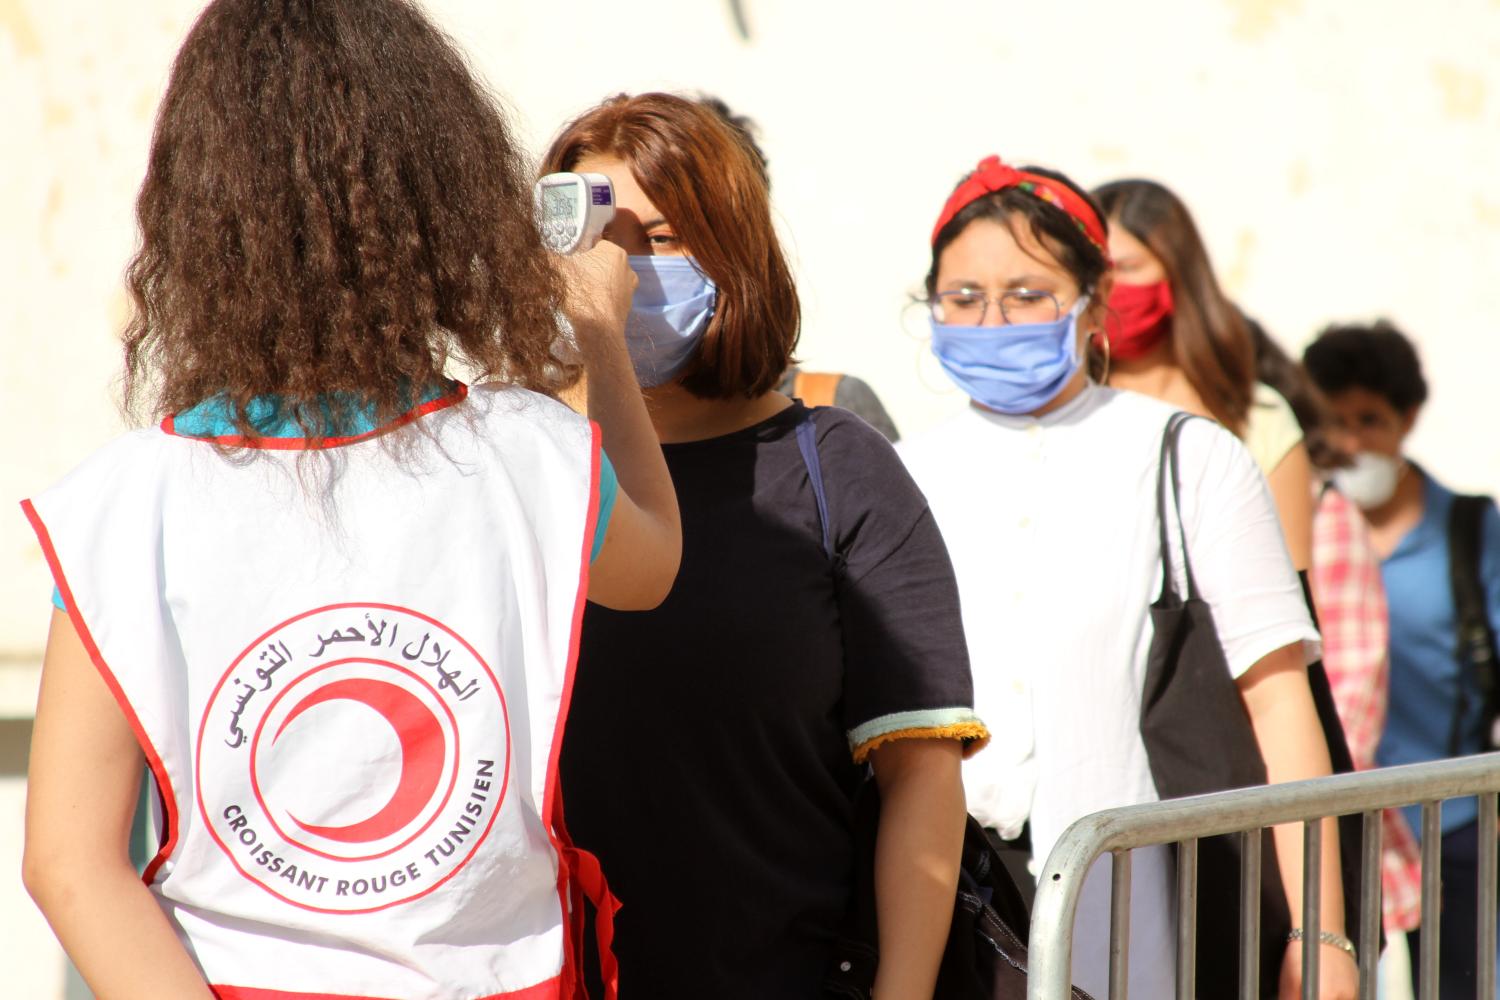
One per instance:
(333, 205)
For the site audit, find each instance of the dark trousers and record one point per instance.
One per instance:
(1459, 926)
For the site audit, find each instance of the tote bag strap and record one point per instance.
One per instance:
(1167, 471)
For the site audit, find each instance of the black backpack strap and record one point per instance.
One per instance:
(1475, 646)
(1169, 472)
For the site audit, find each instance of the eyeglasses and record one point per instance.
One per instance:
(968, 307)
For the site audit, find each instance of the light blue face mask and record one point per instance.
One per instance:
(1011, 369)
(670, 311)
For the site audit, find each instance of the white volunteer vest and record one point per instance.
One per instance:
(352, 707)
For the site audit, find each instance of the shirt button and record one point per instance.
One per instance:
(1018, 686)
(1025, 522)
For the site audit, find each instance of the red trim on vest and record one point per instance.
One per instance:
(459, 394)
(153, 759)
(579, 875)
(586, 881)
(550, 795)
(549, 990)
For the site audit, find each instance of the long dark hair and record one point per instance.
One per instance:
(1210, 341)
(333, 205)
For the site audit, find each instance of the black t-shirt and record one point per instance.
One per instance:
(708, 759)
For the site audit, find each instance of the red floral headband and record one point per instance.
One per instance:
(991, 175)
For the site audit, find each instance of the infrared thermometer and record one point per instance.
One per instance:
(574, 209)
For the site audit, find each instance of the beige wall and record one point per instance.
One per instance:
(1341, 158)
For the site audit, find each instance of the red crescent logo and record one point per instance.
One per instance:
(322, 815)
(422, 748)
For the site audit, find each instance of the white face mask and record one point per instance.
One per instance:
(1371, 481)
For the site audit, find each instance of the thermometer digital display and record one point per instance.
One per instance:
(573, 210)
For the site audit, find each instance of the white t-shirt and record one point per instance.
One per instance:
(1052, 526)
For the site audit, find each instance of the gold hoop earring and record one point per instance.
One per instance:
(1103, 338)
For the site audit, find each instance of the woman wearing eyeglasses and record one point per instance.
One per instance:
(714, 744)
(1045, 488)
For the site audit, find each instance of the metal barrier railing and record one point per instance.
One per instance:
(1249, 811)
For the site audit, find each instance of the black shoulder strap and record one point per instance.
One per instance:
(1170, 472)
(1476, 633)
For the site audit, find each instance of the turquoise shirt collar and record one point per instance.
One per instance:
(342, 417)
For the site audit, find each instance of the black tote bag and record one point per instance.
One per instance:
(985, 957)
(1199, 739)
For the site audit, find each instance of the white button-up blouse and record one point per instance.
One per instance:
(1052, 526)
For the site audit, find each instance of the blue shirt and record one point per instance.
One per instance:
(1426, 675)
(211, 418)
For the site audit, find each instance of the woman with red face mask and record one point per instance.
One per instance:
(1173, 334)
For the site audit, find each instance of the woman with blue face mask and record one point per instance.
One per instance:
(1045, 487)
(715, 744)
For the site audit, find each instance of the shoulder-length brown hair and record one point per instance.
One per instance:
(332, 205)
(710, 187)
(1210, 341)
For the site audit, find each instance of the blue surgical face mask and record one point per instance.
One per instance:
(670, 311)
(1011, 369)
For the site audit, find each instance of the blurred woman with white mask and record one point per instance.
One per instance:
(1439, 708)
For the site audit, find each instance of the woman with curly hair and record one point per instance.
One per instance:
(332, 600)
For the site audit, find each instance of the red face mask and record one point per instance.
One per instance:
(1140, 317)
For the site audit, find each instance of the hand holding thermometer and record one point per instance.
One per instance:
(574, 209)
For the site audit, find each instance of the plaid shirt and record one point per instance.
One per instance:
(1350, 599)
